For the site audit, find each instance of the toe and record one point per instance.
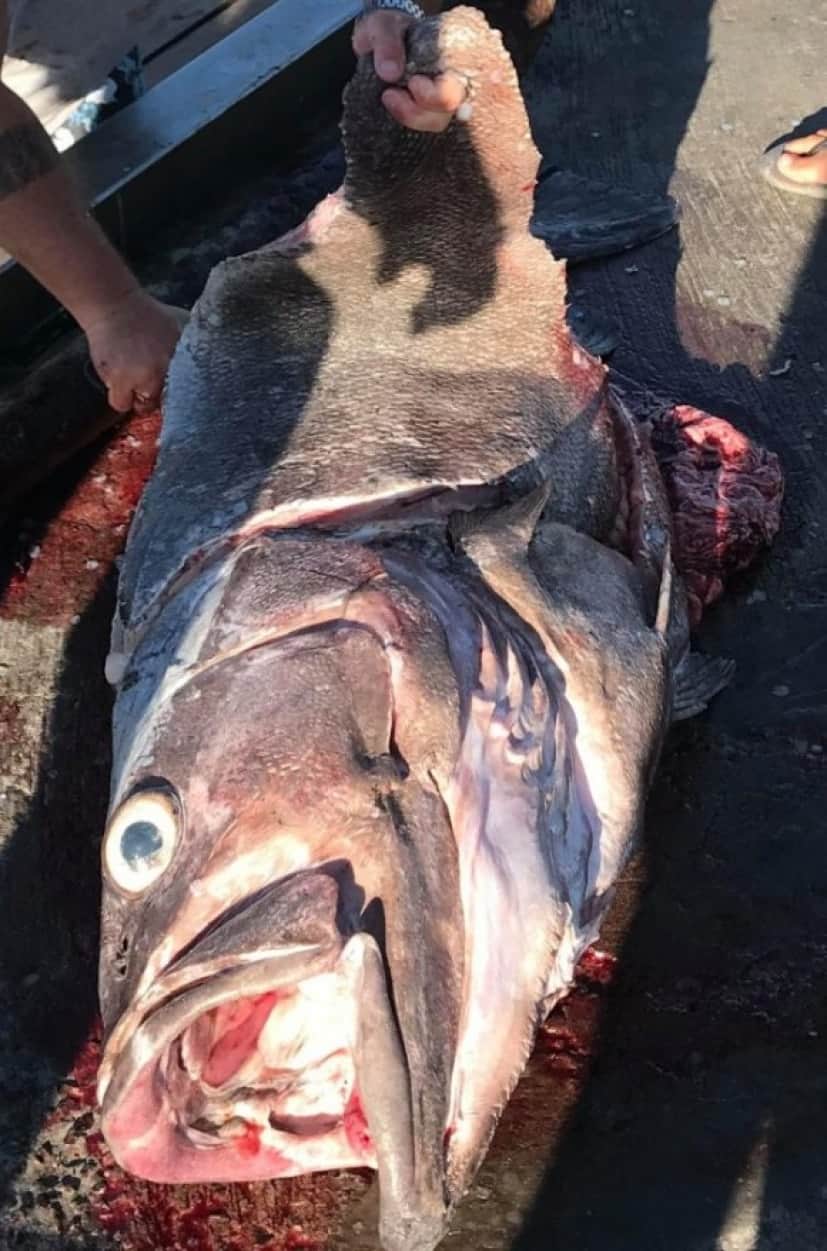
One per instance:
(804, 144)
(802, 168)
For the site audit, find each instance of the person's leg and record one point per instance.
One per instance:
(45, 226)
(14, 9)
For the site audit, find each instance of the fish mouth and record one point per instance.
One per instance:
(242, 1065)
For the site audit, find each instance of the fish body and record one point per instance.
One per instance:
(399, 637)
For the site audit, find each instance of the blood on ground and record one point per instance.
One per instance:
(61, 560)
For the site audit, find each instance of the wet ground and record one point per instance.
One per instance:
(678, 1099)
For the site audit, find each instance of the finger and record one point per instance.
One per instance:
(383, 34)
(120, 398)
(804, 167)
(147, 392)
(444, 94)
(404, 109)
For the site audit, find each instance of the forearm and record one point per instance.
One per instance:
(44, 225)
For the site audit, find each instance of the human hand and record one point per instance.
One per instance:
(426, 104)
(131, 344)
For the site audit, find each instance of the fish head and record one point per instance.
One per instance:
(368, 808)
(282, 941)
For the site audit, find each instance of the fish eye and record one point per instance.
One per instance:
(140, 841)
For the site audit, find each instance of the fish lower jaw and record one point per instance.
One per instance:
(311, 1116)
(260, 1087)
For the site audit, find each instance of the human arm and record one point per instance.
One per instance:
(45, 227)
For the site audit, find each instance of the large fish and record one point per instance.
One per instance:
(398, 641)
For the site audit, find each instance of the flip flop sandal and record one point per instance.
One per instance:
(770, 170)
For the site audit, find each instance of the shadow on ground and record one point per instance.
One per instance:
(700, 1124)
(50, 900)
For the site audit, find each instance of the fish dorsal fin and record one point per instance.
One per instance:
(511, 525)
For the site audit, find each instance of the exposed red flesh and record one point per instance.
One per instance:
(249, 1143)
(238, 1026)
(725, 492)
(295, 1213)
(356, 1125)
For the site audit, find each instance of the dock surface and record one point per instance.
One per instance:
(677, 1101)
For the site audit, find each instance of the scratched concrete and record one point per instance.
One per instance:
(683, 1105)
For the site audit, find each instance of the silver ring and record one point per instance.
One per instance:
(399, 6)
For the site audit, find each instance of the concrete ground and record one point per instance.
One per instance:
(58, 53)
(679, 1104)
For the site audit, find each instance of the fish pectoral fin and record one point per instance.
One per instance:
(697, 680)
